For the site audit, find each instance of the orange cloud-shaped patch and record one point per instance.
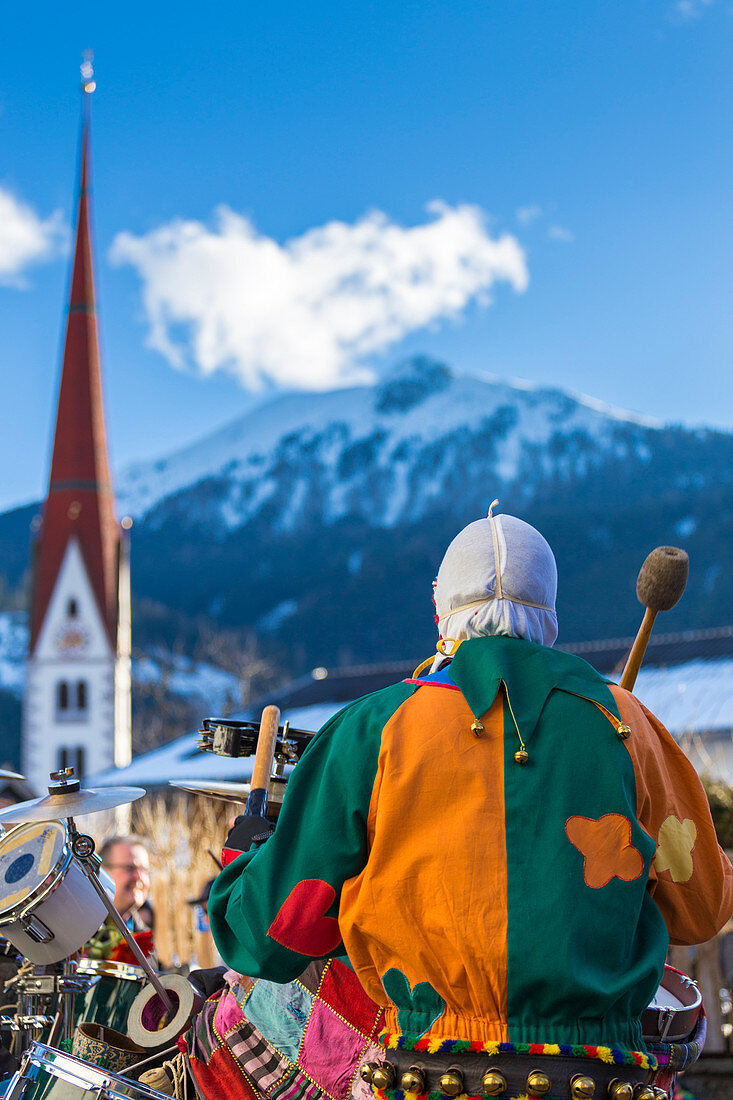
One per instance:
(606, 847)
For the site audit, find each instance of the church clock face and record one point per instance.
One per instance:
(72, 639)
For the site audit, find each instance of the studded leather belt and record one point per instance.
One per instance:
(505, 1076)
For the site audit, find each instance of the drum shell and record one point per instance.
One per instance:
(66, 903)
(108, 1001)
(682, 1018)
(49, 1073)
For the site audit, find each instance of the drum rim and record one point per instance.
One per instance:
(679, 982)
(111, 968)
(38, 1055)
(44, 888)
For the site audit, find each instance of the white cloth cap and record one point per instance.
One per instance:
(498, 576)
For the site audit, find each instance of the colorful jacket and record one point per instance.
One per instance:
(478, 898)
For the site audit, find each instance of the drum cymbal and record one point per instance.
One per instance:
(214, 788)
(73, 804)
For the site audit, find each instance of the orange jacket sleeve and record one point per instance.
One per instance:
(691, 878)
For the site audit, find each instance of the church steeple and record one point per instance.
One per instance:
(80, 503)
(76, 706)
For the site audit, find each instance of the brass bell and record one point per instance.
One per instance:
(538, 1083)
(384, 1076)
(476, 728)
(493, 1083)
(366, 1072)
(582, 1088)
(623, 731)
(644, 1092)
(450, 1083)
(413, 1080)
(620, 1090)
(521, 756)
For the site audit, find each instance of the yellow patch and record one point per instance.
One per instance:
(552, 1048)
(434, 1045)
(605, 1054)
(23, 836)
(491, 1048)
(674, 848)
(44, 863)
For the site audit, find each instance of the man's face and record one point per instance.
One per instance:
(130, 868)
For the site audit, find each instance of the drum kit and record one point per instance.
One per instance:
(54, 895)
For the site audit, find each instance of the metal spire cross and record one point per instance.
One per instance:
(88, 83)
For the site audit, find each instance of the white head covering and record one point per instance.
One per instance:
(498, 576)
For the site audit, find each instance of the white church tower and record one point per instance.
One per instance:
(76, 710)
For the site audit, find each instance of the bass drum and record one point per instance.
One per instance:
(109, 999)
(49, 1074)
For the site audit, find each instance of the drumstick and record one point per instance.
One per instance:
(661, 582)
(260, 781)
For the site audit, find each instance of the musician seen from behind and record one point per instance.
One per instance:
(504, 846)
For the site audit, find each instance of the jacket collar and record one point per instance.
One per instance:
(530, 672)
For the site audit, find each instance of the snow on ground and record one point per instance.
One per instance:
(277, 616)
(187, 678)
(13, 651)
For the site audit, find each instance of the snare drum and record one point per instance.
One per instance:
(49, 1073)
(48, 906)
(108, 1000)
(672, 1015)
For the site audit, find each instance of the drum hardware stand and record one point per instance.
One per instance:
(83, 850)
(31, 989)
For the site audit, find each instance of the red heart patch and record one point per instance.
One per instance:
(301, 923)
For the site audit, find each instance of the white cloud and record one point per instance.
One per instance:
(560, 233)
(528, 214)
(306, 313)
(687, 10)
(25, 239)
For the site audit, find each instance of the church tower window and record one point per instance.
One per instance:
(72, 701)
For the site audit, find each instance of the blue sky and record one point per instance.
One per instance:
(581, 153)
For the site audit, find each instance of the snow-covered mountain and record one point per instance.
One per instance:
(308, 530)
(387, 454)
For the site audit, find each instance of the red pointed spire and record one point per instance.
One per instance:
(80, 502)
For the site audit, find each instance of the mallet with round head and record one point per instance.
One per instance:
(661, 582)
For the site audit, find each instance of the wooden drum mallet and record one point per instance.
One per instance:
(661, 582)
